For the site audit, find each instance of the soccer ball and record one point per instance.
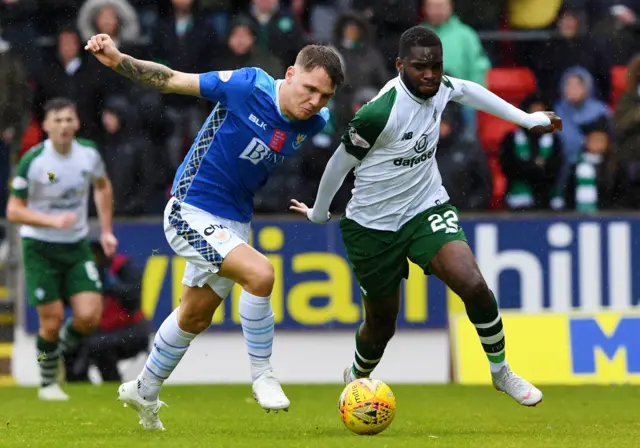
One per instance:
(367, 406)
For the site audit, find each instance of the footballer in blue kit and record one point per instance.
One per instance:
(242, 141)
(256, 123)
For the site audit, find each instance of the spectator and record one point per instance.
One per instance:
(627, 125)
(390, 18)
(363, 64)
(279, 32)
(134, 167)
(577, 107)
(465, 57)
(463, 165)
(573, 47)
(323, 16)
(619, 30)
(124, 332)
(241, 51)
(531, 163)
(217, 14)
(184, 42)
(68, 74)
(19, 29)
(627, 113)
(14, 93)
(117, 18)
(54, 14)
(14, 107)
(590, 179)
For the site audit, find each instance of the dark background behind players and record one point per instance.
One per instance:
(39, 51)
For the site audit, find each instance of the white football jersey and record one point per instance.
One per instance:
(395, 136)
(55, 183)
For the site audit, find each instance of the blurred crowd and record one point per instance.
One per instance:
(570, 47)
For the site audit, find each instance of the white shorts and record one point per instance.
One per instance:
(204, 240)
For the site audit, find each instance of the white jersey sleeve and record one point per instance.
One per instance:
(470, 94)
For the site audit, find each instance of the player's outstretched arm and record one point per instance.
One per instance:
(474, 95)
(334, 173)
(146, 73)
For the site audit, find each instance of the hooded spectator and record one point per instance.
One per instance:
(363, 63)
(577, 107)
(573, 47)
(117, 18)
(135, 169)
(242, 51)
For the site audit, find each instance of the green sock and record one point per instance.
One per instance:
(70, 338)
(488, 324)
(48, 357)
(366, 358)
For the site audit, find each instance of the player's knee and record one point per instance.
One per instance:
(259, 281)
(50, 326)
(86, 322)
(476, 292)
(192, 321)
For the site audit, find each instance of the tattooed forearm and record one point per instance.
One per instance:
(149, 74)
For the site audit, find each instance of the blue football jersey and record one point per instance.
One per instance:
(244, 138)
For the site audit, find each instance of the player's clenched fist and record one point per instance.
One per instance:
(103, 48)
(64, 220)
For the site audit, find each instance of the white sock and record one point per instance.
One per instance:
(169, 346)
(257, 321)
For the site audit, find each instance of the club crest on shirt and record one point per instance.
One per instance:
(299, 140)
(356, 140)
(225, 75)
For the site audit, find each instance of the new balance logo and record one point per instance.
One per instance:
(258, 122)
(407, 136)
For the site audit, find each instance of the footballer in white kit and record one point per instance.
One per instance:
(50, 199)
(400, 211)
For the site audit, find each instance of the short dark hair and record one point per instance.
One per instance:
(57, 104)
(417, 36)
(313, 56)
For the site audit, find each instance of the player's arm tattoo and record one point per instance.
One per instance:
(149, 74)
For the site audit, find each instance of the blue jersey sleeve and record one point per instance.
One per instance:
(228, 87)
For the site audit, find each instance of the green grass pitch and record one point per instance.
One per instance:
(227, 416)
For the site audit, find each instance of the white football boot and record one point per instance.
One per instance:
(348, 375)
(518, 388)
(269, 394)
(147, 410)
(52, 392)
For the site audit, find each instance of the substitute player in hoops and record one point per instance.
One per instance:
(49, 198)
(400, 209)
(258, 121)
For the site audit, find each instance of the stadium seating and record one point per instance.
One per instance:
(618, 83)
(513, 85)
